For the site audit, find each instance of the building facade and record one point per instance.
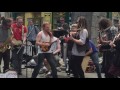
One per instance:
(6, 14)
(40, 17)
(116, 18)
(92, 20)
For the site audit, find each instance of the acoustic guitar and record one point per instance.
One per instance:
(45, 48)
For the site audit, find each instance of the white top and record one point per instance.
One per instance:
(83, 36)
(47, 39)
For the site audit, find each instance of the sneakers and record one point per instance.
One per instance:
(59, 69)
(48, 75)
(43, 70)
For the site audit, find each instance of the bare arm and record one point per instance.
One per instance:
(58, 48)
(78, 41)
(103, 41)
(24, 38)
(83, 37)
(38, 39)
(89, 52)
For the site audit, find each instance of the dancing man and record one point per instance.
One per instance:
(43, 40)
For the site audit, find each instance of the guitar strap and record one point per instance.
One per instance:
(22, 32)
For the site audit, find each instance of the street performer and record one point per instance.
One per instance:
(19, 38)
(44, 40)
(115, 67)
(106, 29)
(5, 39)
(79, 48)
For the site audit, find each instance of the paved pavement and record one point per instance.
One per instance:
(61, 74)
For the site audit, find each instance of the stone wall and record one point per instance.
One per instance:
(96, 16)
(92, 20)
(88, 16)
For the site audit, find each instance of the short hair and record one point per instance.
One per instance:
(19, 17)
(74, 25)
(45, 23)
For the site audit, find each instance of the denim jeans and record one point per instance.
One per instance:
(94, 58)
(49, 57)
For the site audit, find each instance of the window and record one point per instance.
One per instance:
(56, 17)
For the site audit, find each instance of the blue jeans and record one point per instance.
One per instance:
(94, 58)
(41, 57)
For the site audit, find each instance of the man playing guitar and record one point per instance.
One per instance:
(43, 40)
(19, 37)
(105, 44)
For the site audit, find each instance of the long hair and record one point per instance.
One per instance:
(82, 22)
(104, 23)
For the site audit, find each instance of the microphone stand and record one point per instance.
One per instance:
(26, 51)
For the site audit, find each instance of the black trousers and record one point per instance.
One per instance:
(49, 57)
(6, 59)
(76, 66)
(17, 59)
(33, 48)
(108, 58)
(69, 55)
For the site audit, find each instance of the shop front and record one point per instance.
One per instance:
(56, 16)
(15, 14)
(37, 17)
(40, 17)
(116, 18)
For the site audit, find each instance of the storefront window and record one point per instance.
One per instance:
(15, 14)
(37, 19)
(56, 17)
